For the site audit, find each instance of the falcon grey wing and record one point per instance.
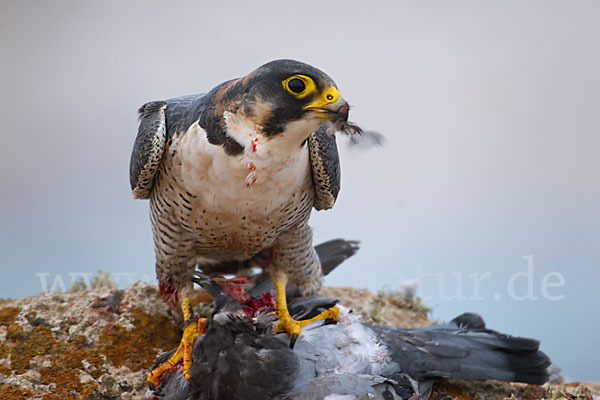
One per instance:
(148, 148)
(325, 166)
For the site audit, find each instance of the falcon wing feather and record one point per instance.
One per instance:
(148, 148)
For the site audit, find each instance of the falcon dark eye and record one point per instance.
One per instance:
(299, 85)
(296, 85)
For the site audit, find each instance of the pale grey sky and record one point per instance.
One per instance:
(490, 110)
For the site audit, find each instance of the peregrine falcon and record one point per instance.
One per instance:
(232, 176)
(349, 358)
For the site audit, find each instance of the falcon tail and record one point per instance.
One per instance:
(334, 252)
(331, 254)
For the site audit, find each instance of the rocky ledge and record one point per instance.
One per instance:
(100, 344)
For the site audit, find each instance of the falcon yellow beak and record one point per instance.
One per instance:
(331, 104)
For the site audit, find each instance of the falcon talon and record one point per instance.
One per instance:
(183, 352)
(293, 340)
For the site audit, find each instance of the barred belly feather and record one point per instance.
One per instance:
(205, 210)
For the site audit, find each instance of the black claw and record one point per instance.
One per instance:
(293, 340)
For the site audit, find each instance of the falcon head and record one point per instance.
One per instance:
(283, 97)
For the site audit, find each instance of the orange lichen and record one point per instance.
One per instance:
(11, 392)
(4, 370)
(3, 350)
(65, 396)
(201, 297)
(67, 382)
(25, 345)
(136, 348)
(65, 359)
(8, 315)
(454, 391)
(461, 389)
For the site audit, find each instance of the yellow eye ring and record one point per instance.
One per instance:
(299, 85)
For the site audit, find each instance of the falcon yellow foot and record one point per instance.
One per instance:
(184, 351)
(293, 327)
(286, 322)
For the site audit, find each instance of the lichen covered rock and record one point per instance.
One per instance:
(85, 345)
(101, 344)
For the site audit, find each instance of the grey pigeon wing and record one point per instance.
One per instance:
(148, 148)
(449, 352)
(309, 307)
(233, 361)
(325, 165)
